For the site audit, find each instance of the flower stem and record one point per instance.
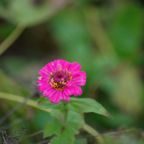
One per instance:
(65, 117)
(20, 99)
(65, 112)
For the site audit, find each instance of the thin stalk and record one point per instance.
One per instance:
(11, 38)
(93, 132)
(65, 112)
(65, 117)
(20, 99)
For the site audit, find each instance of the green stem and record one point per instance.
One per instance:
(65, 112)
(65, 117)
(93, 132)
(19, 99)
(11, 38)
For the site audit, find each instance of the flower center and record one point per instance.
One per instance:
(59, 79)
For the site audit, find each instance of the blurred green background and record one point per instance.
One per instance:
(106, 37)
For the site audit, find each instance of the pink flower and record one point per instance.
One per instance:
(61, 79)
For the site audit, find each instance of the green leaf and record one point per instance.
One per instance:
(8, 85)
(85, 105)
(75, 43)
(58, 116)
(66, 136)
(128, 94)
(52, 128)
(46, 104)
(76, 120)
(41, 118)
(1, 7)
(80, 141)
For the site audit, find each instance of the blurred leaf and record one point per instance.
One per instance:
(15, 64)
(128, 93)
(26, 13)
(101, 69)
(1, 7)
(23, 68)
(126, 29)
(8, 85)
(4, 2)
(46, 104)
(70, 30)
(119, 119)
(85, 105)
(5, 30)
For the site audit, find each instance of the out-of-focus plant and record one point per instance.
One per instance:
(105, 37)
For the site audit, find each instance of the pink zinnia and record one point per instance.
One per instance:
(61, 79)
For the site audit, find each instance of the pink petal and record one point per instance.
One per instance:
(79, 79)
(71, 70)
(81, 74)
(77, 90)
(51, 67)
(64, 96)
(68, 91)
(74, 67)
(58, 64)
(66, 65)
(69, 83)
(44, 72)
(55, 98)
(61, 95)
(42, 80)
(79, 82)
(49, 92)
(43, 87)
